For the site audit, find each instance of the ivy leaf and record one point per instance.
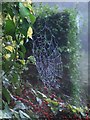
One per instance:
(22, 62)
(53, 102)
(23, 49)
(9, 28)
(7, 56)
(24, 115)
(19, 106)
(15, 78)
(9, 48)
(32, 59)
(6, 113)
(32, 18)
(6, 94)
(25, 13)
(23, 27)
(21, 55)
(29, 32)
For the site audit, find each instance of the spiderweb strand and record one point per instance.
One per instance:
(48, 58)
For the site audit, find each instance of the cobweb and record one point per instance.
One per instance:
(48, 57)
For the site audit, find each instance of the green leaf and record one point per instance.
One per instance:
(7, 8)
(9, 48)
(32, 59)
(23, 27)
(25, 13)
(32, 18)
(21, 55)
(10, 11)
(17, 90)
(23, 115)
(7, 56)
(13, 55)
(22, 62)
(29, 32)
(16, 115)
(15, 78)
(19, 106)
(6, 113)
(6, 94)
(9, 28)
(23, 49)
(53, 102)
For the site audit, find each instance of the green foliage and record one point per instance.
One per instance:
(45, 11)
(17, 19)
(9, 27)
(32, 59)
(6, 94)
(25, 13)
(63, 26)
(74, 47)
(20, 99)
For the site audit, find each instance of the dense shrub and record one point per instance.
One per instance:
(63, 26)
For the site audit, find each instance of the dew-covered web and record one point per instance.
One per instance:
(48, 57)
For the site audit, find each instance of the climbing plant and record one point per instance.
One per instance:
(18, 19)
(63, 26)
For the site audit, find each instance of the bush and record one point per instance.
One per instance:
(63, 26)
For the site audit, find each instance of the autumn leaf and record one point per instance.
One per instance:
(7, 56)
(22, 62)
(29, 32)
(9, 48)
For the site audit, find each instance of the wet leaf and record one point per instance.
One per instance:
(22, 62)
(9, 48)
(25, 13)
(24, 115)
(41, 95)
(29, 32)
(15, 78)
(6, 113)
(23, 49)
(7, 56)
(6, 94)
(24, 27)
(19, 105)
(9, 28)
(55, 103)
(32, 59)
